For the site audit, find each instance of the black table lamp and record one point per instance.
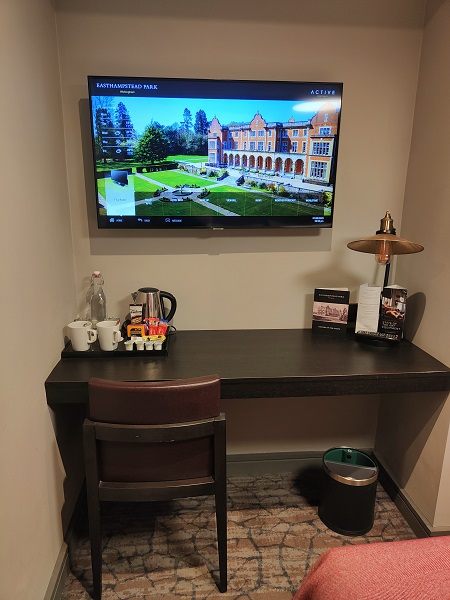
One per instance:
(385, 244)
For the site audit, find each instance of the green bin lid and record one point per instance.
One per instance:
(350, 466)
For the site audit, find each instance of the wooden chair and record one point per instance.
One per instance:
(146, 441)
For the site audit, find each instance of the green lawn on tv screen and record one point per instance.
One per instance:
(229, 200)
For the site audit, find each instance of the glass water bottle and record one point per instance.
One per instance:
(96, 299)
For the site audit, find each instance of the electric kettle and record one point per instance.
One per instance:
(153, 301)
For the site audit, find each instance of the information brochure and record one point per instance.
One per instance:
(380, 310)
(330, 310)
(368, 313)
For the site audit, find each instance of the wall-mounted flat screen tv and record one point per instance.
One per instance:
(188, 153)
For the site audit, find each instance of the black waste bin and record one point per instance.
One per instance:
(347, 503)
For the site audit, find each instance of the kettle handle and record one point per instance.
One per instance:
(173, 304)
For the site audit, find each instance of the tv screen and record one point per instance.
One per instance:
(189, 153)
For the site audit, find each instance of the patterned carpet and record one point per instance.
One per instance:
(168, 550)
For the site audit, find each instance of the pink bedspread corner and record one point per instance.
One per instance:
(404, 570)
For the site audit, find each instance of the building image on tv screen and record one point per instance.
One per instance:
(214, 153)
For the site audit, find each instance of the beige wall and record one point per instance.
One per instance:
(413, 438)
(221, 280)
(37, 295)
(231, 279)
(225, 280)
(228, 279)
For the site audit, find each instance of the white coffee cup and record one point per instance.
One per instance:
(81, 335)
(109, 335)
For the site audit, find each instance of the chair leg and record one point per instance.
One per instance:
(93, 504)
(95, 536)
(221, 524)
(220, 492)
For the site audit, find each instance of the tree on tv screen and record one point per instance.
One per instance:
(124, 126)
(153, 146)
(201, 124)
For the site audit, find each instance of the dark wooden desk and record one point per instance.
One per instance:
(263, 364)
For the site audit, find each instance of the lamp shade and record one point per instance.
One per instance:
(385, 241)
(375, 244)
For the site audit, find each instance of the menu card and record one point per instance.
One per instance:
(368, 313)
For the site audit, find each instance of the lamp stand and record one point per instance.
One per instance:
(386, 275)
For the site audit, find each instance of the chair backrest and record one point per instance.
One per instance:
(154, 402)
(154, 441)
(154, 431)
